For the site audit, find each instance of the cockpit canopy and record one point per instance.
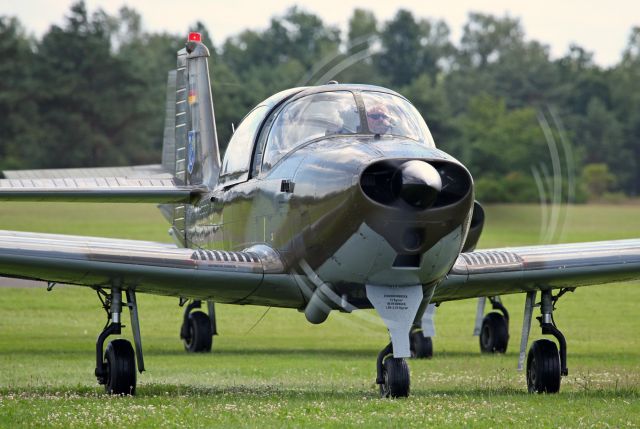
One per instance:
(337, 113)
(273, 128)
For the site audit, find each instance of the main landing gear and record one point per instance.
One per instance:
(393, 374)
(197, 328)
(494, 332)
(545, 364)
(116, 367)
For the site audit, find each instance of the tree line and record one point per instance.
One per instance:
(92, 93)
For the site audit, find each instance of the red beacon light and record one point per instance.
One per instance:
(195, 37)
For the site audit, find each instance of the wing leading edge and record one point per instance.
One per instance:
(522, 269)
(223, 276)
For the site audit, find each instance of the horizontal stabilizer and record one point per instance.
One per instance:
(155, 171)
(100, 189)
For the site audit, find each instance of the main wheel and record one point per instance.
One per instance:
(120, 364)
(200, 336)
(543, 367)
(494, 334)
(421, 346)
(396, 378)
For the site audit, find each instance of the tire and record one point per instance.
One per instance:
(421, 346)
(543, 367)
(200, 336)
(494, 334)
(396, 378)
(120, 364)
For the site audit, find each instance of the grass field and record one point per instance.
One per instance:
(286, 372)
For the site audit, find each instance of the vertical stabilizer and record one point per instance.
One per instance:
(196, 140)
(190, 149)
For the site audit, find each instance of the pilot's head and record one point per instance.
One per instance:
(379, 119)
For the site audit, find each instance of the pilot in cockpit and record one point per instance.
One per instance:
(379, 119)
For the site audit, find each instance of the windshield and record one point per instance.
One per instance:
(310, 117)
(393, 115)
(334, 113)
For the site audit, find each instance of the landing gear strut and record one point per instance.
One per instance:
(545, 365)
(494, 332)
(393, 374)
(197, 328)
(116, 367)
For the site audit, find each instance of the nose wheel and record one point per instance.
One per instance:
(393, 375)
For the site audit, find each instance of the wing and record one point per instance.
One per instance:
(522, 269)
(223, 276)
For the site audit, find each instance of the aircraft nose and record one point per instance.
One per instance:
(419, 183)
(415, 185)
(413, 203)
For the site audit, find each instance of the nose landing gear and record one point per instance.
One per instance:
(393, 374)
(398, 307)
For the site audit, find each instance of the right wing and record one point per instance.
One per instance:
(493, 272)
(229, 277)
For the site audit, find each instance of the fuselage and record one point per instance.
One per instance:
(334, 210)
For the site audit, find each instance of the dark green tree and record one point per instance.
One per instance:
(431, 101)
(363, 40)
(411, 48)
(19, 118)
(626, 105)
(92, 101)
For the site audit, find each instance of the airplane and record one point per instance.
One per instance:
(331, 197)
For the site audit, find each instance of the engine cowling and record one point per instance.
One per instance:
(475, 228)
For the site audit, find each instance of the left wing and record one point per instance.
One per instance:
(227, 277)
(494, 272)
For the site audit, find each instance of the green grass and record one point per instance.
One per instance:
(286, 372)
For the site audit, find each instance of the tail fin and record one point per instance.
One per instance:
(197, 154)
(190, 148)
